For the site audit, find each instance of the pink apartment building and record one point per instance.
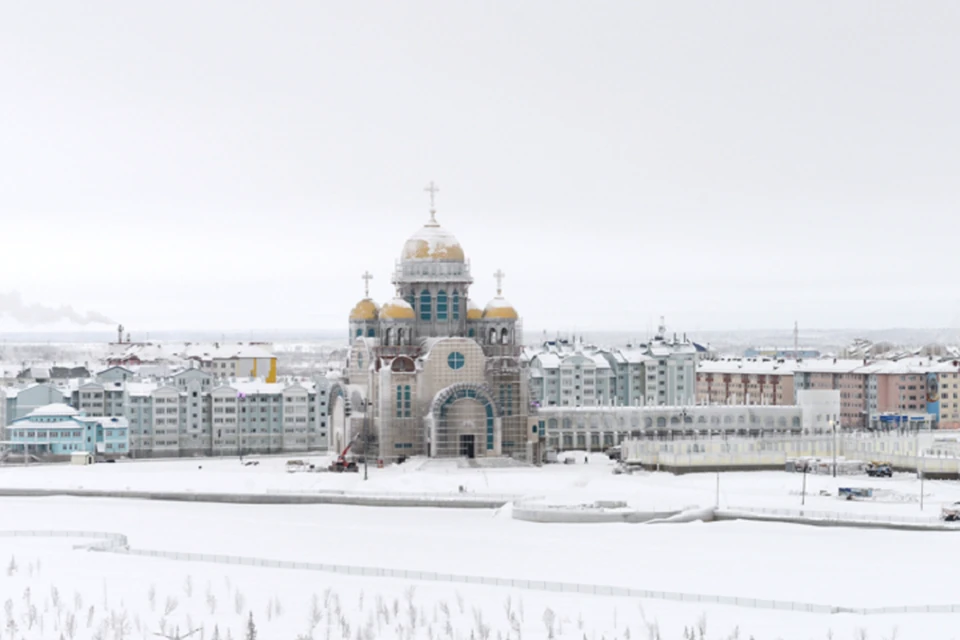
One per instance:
(746, 381)
(866, 388)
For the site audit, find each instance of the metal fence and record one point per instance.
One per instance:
(117, 543)
(836, 516)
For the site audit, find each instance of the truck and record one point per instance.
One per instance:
(879, 470)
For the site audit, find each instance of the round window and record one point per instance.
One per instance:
(456, 360)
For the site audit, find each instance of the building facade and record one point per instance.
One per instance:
(597, 428)
(430, 372)
(195, 413)
(661, 372)
(58, 430)
(746, 381)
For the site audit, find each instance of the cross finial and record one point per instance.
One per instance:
(499, 275)
(432, 189)
(366, 277)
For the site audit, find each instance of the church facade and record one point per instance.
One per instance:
(430, 372)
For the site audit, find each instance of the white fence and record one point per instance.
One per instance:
(399, 495)
(925, 450)
(117, 543)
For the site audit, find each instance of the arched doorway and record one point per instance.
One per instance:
(464, 422)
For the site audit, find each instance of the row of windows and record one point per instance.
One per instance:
(442, 309)
(45, 434)
(661, 421)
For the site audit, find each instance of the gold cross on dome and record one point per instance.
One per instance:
(366, 277)
(432, 189)
(499, 275)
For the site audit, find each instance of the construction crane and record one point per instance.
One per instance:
(341, 464)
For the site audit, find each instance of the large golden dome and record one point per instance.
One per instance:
(366, 309)
(432, 242)
(397, 309)
(474, 312)
(500, 308)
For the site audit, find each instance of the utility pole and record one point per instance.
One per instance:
(796, 341)
(834, 423)
(921, 489)
(919, 467)
(366, 410)
(803, 499)
(717, 501)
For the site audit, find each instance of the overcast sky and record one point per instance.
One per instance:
(238, 165)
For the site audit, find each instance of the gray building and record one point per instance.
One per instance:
(661, 372)
(193, 413)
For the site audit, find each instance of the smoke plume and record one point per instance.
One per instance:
(12, 305)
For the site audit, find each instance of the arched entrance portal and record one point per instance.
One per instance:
(338, 420)
(465, 422)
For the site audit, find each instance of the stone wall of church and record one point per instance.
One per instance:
(442, 369)
(400, 420)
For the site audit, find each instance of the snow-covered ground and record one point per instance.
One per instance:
(838, 566)
(556, 484)
(97, 595)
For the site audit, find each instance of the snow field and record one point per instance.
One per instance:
(555, 484)
(836, 566)
(50, 590)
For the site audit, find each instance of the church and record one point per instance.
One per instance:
(430, 372)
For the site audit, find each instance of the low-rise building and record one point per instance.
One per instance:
(597, 428)
(58, 430)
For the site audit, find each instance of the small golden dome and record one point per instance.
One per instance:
(397, 309)
(432, 242)
(474, 312)
(500, 308)
(366, 309)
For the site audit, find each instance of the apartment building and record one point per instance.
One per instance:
(565, 374)
(746, 381)
(195, 413)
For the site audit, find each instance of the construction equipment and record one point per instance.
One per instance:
(879, 470)
(950, 512)
(341, 464)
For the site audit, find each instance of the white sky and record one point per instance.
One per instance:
(238, 165)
